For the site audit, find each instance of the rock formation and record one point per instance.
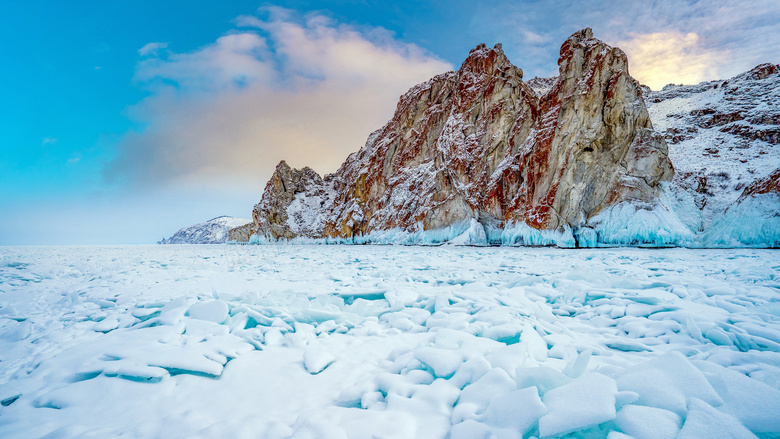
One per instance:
(213, 231)
(479, 143)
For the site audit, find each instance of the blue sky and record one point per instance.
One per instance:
(123, 121)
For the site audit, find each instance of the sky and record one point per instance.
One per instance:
(123, 121)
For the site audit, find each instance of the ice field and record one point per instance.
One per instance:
(388, 342)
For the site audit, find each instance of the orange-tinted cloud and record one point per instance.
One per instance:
(661, 58)
(306, 90)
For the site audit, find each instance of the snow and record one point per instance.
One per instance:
(388, 341)
(705, 421)
(643, 422)
(316, 360)
(214, 231)
(210, 310)
(583, 403)
(517, 411)
(303, 212)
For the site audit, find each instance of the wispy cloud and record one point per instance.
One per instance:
(49, 141)
(152, 48)
(280, 86)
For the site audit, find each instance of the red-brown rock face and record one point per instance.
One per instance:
(479, 143)
(768, 185)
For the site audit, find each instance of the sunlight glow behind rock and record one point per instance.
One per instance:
(661, 58)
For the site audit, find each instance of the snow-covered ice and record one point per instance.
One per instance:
(297, 341)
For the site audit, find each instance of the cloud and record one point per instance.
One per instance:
(49, 141)
(152, 48)
(683, 41)
(305, 89)
(656, 58)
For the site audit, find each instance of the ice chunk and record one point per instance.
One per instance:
(211, 310)
(625, 397)
(418, 376)
(578, 365)
(443, 362)
(705, 421)
(508, 358)
(585, 402)
(648, 422)
(506, 333)
(754, 403)
(439, 396)
(517, 410)
(490, 385)
(316, 360)
(472, 370)
(106, 325)
(370, 399)
(534, 343)
(545, 378)
(655, 389)
(135, 372)
(668, 382)
(353, 395)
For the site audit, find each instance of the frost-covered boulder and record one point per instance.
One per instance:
(214, 231)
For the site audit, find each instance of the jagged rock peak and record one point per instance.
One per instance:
(486, 61)
(581, 49)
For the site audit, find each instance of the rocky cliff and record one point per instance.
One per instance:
(480, 148)
(478, 156)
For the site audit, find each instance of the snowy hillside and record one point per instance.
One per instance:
(361, 342)
(214, 231)
(723, 136)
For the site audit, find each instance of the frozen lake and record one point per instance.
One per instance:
(388, 342)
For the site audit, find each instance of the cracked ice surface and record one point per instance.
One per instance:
(388, 341)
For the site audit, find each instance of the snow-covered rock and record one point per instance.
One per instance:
(214, 231)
